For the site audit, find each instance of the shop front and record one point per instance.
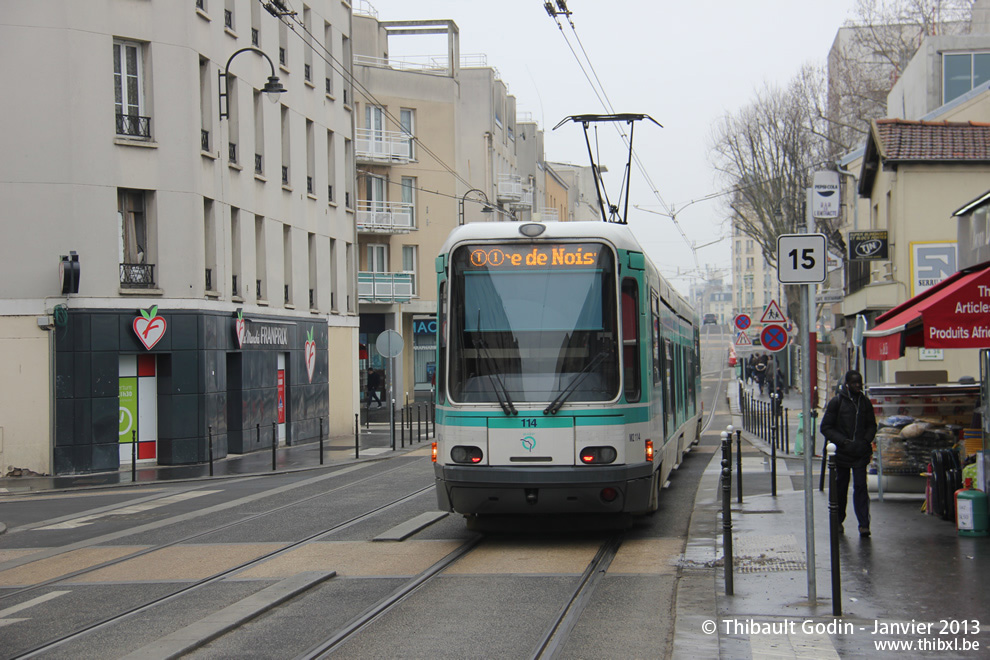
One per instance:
(174, 379)
(922, 415)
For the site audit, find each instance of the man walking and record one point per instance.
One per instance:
(850, 424)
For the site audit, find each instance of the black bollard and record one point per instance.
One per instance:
(321, 441)
(210, 433)
(391, 422)
(773, 470)
(833, 515)
(274, 443)
(738, 465)
(134, 454)
(727, 512)
(419, 423)
(357, 435)
(402, 427)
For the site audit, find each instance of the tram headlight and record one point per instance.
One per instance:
(598, 455)
(466, 454)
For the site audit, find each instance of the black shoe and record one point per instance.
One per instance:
(864, 531)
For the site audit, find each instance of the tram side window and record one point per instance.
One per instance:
(441, 372)
(657, 377)
(630, 339)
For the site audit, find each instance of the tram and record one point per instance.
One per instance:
(568, 371)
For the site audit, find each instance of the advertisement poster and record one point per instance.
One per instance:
(281, 396)
(931, 263)
(128, 408)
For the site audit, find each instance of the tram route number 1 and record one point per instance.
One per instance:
(801, 258)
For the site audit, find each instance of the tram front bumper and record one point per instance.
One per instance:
(538, 490)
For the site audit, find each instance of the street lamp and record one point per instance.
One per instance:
(487, 208)
(273, 87)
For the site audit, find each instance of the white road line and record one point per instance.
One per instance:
(128, 510)
(30, 603)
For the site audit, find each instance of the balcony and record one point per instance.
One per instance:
(384, 217)
(137, 276)
(134, 126)
(509, 188)
(523, 204)
(383, 146)
(385, 287)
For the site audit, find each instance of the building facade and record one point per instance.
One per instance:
(215, 245)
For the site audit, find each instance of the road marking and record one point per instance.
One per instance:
(4, 621)
(128, 510)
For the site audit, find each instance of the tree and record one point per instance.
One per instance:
(870, 54)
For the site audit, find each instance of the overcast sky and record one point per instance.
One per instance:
(684, 63)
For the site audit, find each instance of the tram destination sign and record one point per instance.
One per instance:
(529, 256)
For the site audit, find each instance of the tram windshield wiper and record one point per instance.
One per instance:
(495, 378)
(556, 404)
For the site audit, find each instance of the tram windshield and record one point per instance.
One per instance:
(528, 322)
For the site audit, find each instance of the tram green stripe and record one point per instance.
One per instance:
(496, 419)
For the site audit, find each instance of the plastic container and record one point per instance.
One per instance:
(971, 511)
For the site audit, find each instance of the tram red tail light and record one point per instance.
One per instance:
(433, 453)
(649, 451)
(609, 494)
(598, 455)
(466, 454)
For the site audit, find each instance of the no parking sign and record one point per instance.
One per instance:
(773, 338)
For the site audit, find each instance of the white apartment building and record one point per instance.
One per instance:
(216, 245)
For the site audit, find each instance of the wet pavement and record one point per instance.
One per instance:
(914, 588)
(914, 582)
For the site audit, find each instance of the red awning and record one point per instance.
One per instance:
(954, 313)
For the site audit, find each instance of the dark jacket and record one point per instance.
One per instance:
(849, 422)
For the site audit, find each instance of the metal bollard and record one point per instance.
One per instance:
(210, 434)
(402, 427)
(727, 512)
(274, 443)
(773, 470)
(321, 441)
(357, 435)
(739, 489)
(833, 516)
(419, 423)
(391, 422)
(134, 454)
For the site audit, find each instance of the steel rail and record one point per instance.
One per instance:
(116, 618)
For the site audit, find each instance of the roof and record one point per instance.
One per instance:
(894, 141)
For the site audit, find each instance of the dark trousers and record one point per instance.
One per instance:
(861, 497)
(373, 396)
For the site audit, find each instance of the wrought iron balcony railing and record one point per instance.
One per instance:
(137, 276)
(204, 139)
(134, 126)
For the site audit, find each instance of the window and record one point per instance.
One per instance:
(235, 251)
(134, 240)
(205, 103)
(285, 146)
(287, 262)
(308, 39)
(311, 244)
(406, 117)
(228, 15)
(128, 82)
(331, 167)
(630, 339)
(377, 258)
(233, 123)
(260, 265)
(259, 134)
(328, 45)
(310, 158)
(210, 243)
(375, 192)
(409, 264)
(409, 198)
(961, 72)
(749, 262)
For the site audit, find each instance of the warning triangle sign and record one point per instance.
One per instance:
(772, 314)
(742, 339)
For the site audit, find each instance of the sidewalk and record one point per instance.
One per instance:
(914, 567)
(375, 443)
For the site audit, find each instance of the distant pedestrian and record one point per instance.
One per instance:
(374, 384)
(849, 422)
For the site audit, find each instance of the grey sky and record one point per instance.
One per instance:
(684, 63)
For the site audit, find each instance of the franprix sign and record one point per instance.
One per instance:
(260, 334)
(825, 196)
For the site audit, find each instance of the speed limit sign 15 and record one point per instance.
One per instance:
(801, 258)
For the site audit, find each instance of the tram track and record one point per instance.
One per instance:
(119, 617)
(721, 380)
